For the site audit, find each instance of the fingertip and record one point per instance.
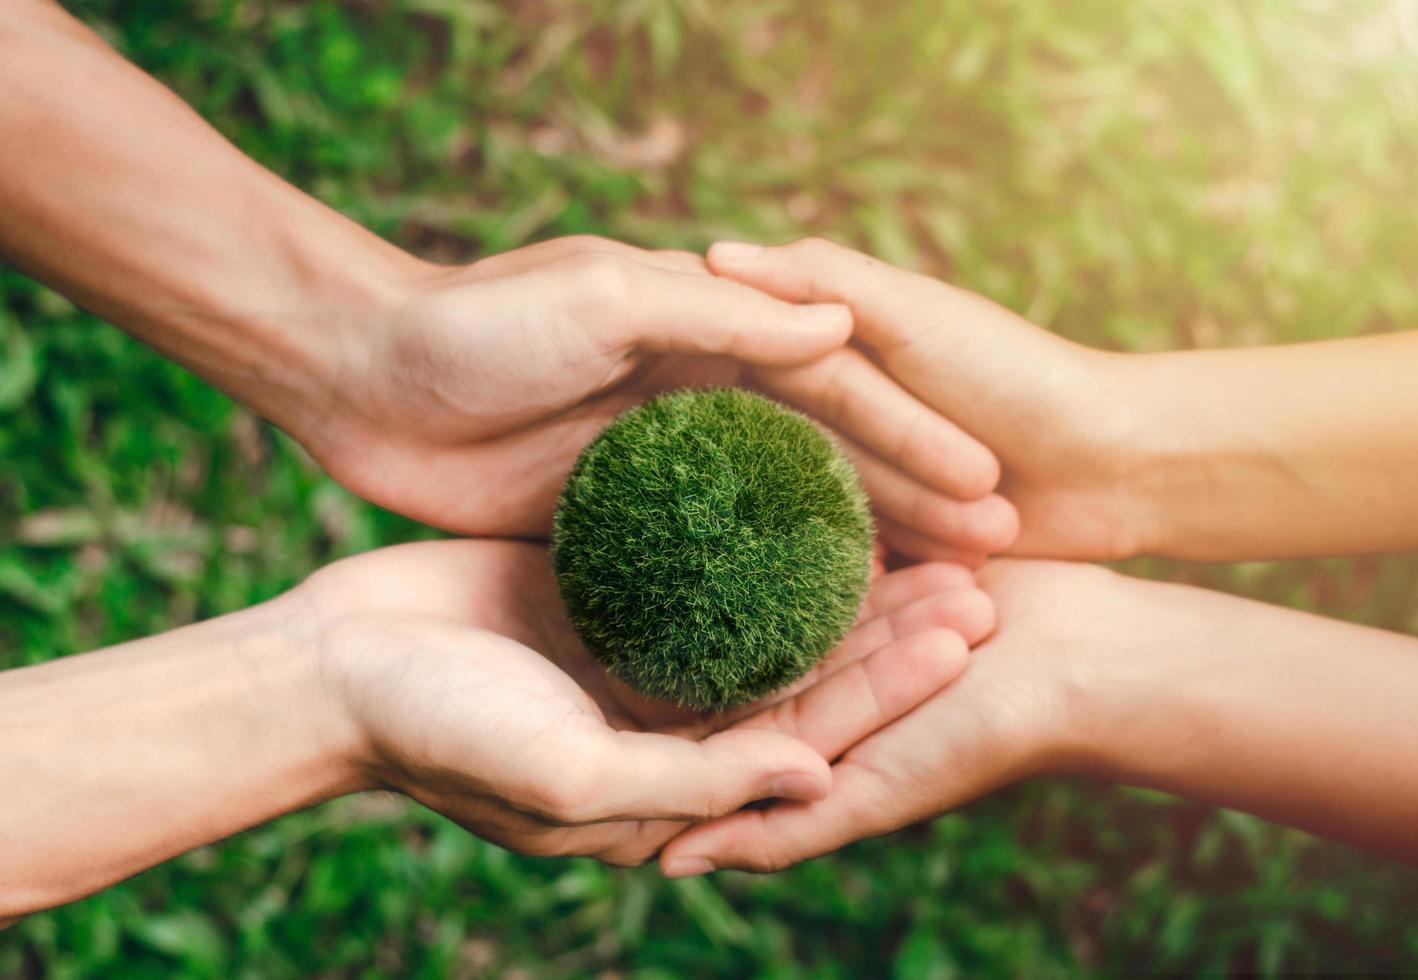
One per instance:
(787, 767)
(976, 471)
(1001, 523)
(952, 461)
(833, 318)
(975, 616)
(801, 786)
(728, 254)
(689, 866)
(708, 846)
(985, 526)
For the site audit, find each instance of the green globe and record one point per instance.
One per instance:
(711, 546)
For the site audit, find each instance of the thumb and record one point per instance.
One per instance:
(885, 300)
(644, 776)
(675, 313)
(782, 835)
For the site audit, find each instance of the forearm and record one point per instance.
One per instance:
(118, 195)
(1307, 449)
(1303, 720)
(117, 760)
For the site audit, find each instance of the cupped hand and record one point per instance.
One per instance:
(466, 403)
(1009, 716)
(1054, 413)
(469, 691)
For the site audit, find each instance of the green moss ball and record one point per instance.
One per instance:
(711, 546)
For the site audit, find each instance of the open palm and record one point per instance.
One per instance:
(476, 698)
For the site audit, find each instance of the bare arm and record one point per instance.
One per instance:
(120, 196)
(1303, 720)
(410, 669)
(1306, 449)
(118, 760)
(458, 396)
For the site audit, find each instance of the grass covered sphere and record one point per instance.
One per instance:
(711, 546)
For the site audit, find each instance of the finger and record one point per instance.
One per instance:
(625, 843)
(967, 611)
(888, 302)
(847, 706)
(676, 260)
(632, 849)
(922, 547)
(530, 256)
(848, 392)
(669, 312)
(987, 525)
(783, 835)
(638, 775)
(947, 598)
(895, 589)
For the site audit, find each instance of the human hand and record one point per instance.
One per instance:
(1055, 414)
(1196, 693)
(430, 649)
(1012, 714)
(465, 398)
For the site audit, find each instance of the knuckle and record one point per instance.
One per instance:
(705, 807)
(603, 277)
(916, 443)
(567, 802)
(586, 243)
(622, 857)
(762, 858)
(838, 395)
(815, 245)
(932, 514)
(551, 846)
(710, 802)
(940, 613)
(785, 717)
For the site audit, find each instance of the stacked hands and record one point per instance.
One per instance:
(440, 654)
(461, 397)
(447, 652)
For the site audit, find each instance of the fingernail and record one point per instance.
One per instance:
(797, 786)
(825, 314)
(687, 867)
(736, 251)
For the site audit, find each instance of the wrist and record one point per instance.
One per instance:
(1151, 450)
(1126, 673)
(1069, 623)
(345, 292)
(307, 679)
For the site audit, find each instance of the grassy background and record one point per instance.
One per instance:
(1135, 175)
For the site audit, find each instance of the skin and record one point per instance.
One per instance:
(1199, 694)
(445, 671)
(458, 396)
(1203, 455)
(1209, 455)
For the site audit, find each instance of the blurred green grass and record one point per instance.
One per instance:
(1138, 176)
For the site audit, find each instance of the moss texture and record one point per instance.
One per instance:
(711, 546)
